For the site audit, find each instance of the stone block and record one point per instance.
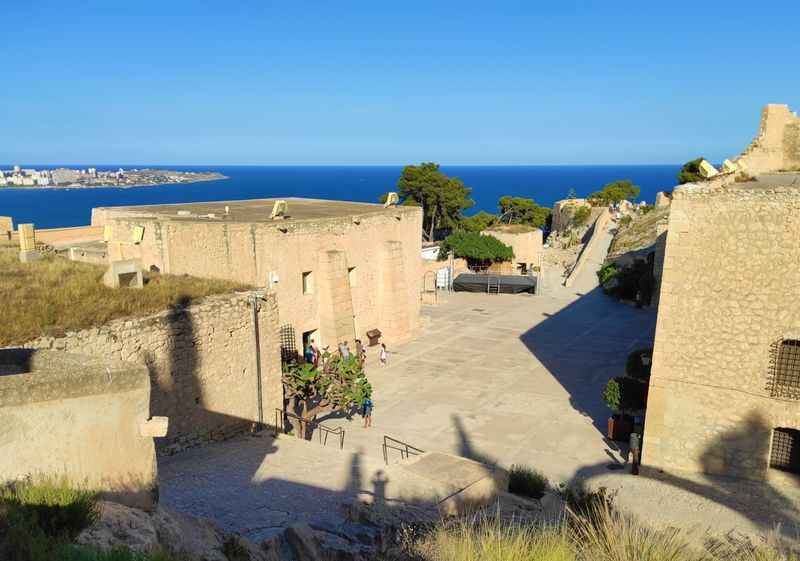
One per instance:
(154, 427)
(729, 167)
(124, 274)
(707, 170)
(6, 227)
(29, 256)
(27, 237)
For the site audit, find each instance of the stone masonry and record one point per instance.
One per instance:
(237, 240)
(729, 293)
(777, 145)
(202, 363)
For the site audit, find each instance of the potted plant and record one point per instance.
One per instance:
(623, 395)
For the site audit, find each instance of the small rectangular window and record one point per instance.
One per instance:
(784, 379)
(308, 282)
(785, 453)
(351, 275)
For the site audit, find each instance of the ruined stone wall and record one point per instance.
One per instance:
(201, 360)
(728, 292)
(78, 417)
(777, 145)
(563, 212)
(278, 253)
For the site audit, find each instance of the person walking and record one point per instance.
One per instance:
(367, 412)
(635, 451)
(384, 355)
(315, 350)
(359, 352)
(308, 353)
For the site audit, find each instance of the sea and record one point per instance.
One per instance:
(57, 207)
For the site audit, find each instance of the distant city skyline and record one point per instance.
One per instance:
(268, 83)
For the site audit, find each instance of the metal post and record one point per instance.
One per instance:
(257, 342)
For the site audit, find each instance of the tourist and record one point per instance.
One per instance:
(308, 353)
(315, 350)
(635, 451)
(367, 412)
(360, 352)
(384, 355)
(344, 350)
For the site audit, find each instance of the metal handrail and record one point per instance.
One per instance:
(405, 449)
(281, 415)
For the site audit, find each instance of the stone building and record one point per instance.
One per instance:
(525, 242)
(725, 389)
(338, 269)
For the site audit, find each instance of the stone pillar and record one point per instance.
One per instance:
(270, 354)
(27, 243)
(394, 313)
(6, 227)
(335, 300)
(27, 237)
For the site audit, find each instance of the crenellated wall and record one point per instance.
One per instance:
(777, 145)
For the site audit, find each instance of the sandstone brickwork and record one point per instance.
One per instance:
(78, 417)
(526, 245)
(202, 364)
(247, 246)
(563, 212)
(777, 145)
(729, 292)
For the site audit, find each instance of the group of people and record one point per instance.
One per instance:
(312, 354)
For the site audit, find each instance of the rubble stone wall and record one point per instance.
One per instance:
(777, 145)
(202, 364)
(728, 293)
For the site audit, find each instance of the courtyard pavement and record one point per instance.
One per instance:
(506, 379)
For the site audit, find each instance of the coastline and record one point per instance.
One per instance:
(109, 186)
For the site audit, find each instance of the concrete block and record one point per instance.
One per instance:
(154, 427)
(124, 274)
(6, 227)
(279, 210)
(29, 256)
(391, 199)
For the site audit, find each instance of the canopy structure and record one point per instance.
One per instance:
(506, 284)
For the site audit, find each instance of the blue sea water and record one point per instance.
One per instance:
(51, 208)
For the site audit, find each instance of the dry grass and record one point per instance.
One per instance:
(54, 295)
(639, 234)
(603, 534)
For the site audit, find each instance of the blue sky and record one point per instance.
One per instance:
(204, 82)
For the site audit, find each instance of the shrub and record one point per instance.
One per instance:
(622, 189)
(624, 394)
(58, 508)
(492, 539)
(581, 215)
(527, 482)
(690, 172)
(607, 272)
(626, 220)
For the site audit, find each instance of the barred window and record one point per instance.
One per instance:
(785, 453)
(784, 377)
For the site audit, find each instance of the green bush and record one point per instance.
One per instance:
(606, 273)
(581, 215)
(625, 220)
(476, 248)
(527, 482)
(690, 172)
(624, 394)
(614, 192)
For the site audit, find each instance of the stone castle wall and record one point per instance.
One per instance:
(563, 212)
(777, 145)
(202, 363)
(527, 246)
(78, 417)
(279, 253)
(728, 292)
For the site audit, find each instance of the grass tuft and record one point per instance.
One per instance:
(52, 296)
(527, 482)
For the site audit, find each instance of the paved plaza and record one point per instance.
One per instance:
(503, 379)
